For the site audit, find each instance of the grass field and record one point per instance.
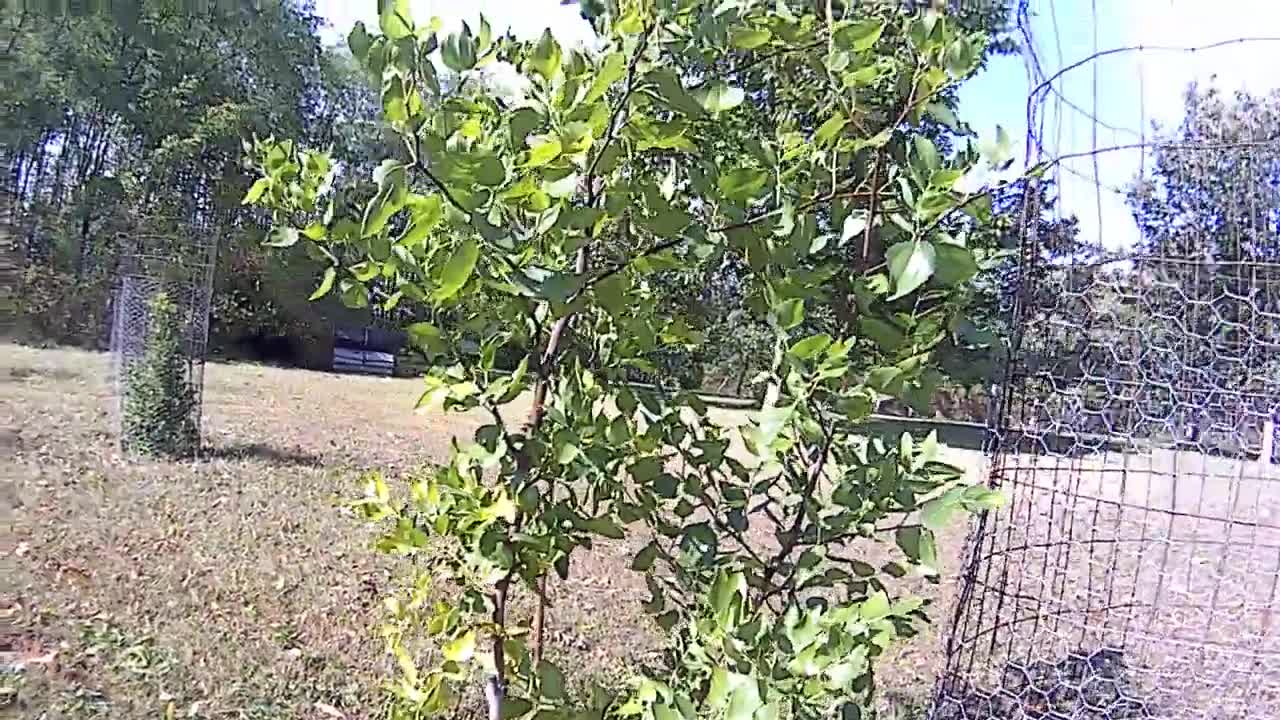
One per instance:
(237, 586)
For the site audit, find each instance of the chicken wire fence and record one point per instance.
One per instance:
(1134, 571)
(159, 335)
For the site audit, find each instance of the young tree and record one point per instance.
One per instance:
(537, 225)
(158, 404)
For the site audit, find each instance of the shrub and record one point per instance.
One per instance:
(158, 408)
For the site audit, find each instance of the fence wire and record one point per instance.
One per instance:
(1135, 570)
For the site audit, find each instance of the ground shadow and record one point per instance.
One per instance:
(262, 452)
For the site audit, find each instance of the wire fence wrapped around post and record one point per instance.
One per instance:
(1135, 570)
(159, 337)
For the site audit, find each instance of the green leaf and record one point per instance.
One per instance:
(424, 214)
(663, 711)
(326, 283)
(960, 57)
(562, 188)
(545, 59)
(911, 264)
(485, 36)
(926, 155)
(789, 313)
(282, 237)
(999, 150)
(981, 497)
(314, 231)
(259, 186)
(645, 469)
(919, 545)
(810, 346)
(723, 683)
(457, 270)
(770, 421)
(644, 559)
(604, 526)
(726, 588)
(742, 184)
(936, 514)
(668, 223)
(875, 607)
(630, 24)
(673, 93)
(459, 51)
(860, 36)
(550, 681)
(854, 225)
(955, 264)
(514, 707)
(612, 68)
(354, 295)
(543, 150)
(462, 648)
(744, 701)
(427, 337)
(489, 170)
(380, 210)
(359, 40)
(396, 21)
(749, 38)
(365, 271)
(828, 131)
(883, 333)
(718, 96)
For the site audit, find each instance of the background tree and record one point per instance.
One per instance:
(108, 119)
(1207, 258)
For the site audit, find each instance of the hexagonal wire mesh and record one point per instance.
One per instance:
(162, 257)
(1135, 570)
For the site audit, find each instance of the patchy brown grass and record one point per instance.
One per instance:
(237, 586)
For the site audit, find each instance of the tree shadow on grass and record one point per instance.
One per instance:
(263, 453)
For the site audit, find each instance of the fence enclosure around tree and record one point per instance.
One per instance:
(159, 336)
(1135, 570)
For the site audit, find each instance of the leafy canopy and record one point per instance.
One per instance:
(540, 226)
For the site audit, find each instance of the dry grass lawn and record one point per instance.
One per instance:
(237, 586)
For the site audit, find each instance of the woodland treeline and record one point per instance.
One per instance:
(115, 126)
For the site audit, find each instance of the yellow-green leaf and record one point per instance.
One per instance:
(457, 270)
(395, 20)
(611, 70)
(749, 38)
(545, 59)
(719, 97)
(828, 130)
(462, 648)
(911, 264)
(326, 283)
(260, 186)
(542, 151)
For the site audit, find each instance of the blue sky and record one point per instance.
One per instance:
(1127, 91)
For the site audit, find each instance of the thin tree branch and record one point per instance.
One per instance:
(593, 195)
(793, 533)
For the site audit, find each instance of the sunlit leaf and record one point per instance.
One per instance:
(911, 264)
(749, 38)
(457, 270)
(718, 96)
(461, 649)
(545, 59)
(326, 283)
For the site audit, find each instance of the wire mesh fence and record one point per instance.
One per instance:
(1135, 570)
(159, 336)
